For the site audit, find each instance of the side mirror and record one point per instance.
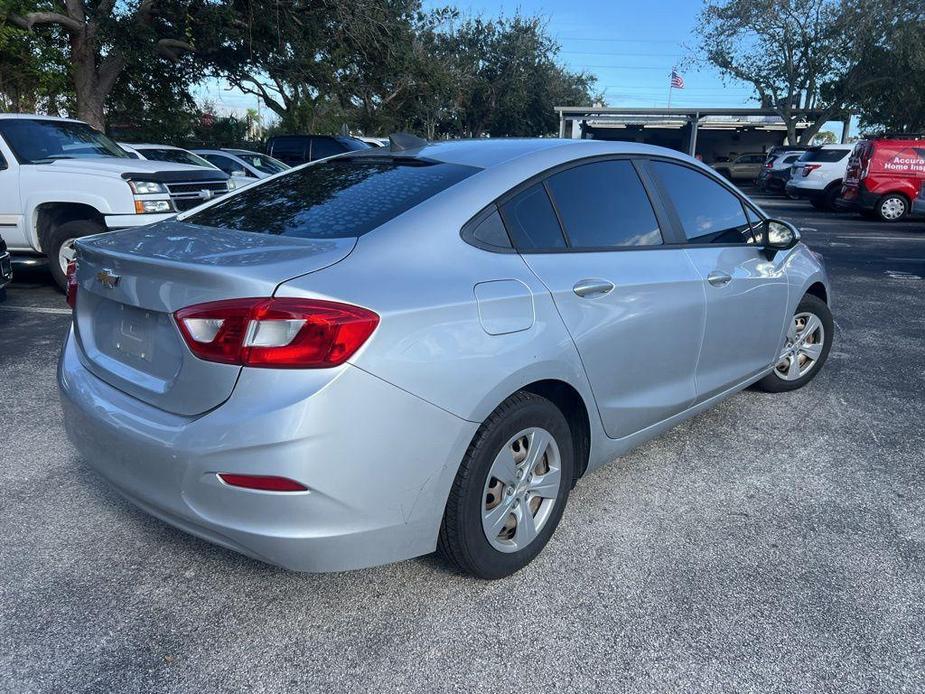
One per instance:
(779, 236)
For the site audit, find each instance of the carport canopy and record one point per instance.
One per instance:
(687, 124)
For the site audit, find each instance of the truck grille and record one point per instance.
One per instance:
(186, 196)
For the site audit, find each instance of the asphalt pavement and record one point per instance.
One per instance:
(774, 543)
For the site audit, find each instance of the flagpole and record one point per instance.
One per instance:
(670, 85)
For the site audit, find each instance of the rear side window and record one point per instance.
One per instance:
(531, 220)
(825, 155)
(229, 166)
(289, 147)
(709, 213)
(335, 199)
(603, 205)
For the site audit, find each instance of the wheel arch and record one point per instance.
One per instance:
(50, 215)
(818, 290)
(572, 405)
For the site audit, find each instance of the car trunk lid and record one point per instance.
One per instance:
(131, 282)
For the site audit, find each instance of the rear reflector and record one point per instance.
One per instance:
(71, 283)
(276, 333)
(266, 483)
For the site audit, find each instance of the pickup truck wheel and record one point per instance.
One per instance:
(60, 246)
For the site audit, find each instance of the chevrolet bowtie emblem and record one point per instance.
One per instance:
(107, 278)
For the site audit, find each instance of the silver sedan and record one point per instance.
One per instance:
(427, 345)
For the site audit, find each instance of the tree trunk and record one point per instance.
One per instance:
(86, 82)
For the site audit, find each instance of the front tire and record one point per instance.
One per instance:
(511, 488)
(809, 340)
(60, 246)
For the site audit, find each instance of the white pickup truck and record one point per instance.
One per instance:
(60, 179)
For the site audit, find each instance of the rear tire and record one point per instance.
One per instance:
(515, 460)
(60, 244)
(892, 208)
(809, 340)
(832, 194)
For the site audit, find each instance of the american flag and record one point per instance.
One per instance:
(677, 82)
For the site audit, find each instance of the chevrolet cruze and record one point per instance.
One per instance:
(425, 346)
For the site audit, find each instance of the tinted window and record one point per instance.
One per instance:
(491, 232)
(531, 221)
(43, 141)
(261, 162)
(177, 156)
(603, 205)
(288, 146)
(709, 213)
(825, 155)
(352, 144)
(226, 164)
(326, 147)
(339, 198)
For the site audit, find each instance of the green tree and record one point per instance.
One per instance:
(801, 54)
(103, 39)
(33, 72)
(502, 78)
(897, 101)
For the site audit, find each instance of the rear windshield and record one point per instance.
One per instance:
(825, 155)
(334, 199)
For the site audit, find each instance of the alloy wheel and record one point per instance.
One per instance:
(805, 341)
(521, 489)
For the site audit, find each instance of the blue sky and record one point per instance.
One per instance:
(630, 46)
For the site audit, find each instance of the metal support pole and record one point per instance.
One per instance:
(561, 124)
(845, 129)
(695, 126)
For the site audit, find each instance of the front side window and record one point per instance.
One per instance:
(531, 220)
(335, 199)
(708, 212)
(38, 141)
(326, 147)
(603, 205)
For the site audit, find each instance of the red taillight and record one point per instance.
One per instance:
(809, 168)
(71, 284)
(266, 483)
(276, 333)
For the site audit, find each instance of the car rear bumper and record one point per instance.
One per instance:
(803, 192)
(378, 463)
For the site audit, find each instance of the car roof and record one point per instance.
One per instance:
(239, 151)
(487, 153)
(35, 116)
(148, 145)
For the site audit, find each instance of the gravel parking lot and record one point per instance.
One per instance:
(775, 543)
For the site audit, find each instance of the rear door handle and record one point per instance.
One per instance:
(719, 279)
(592, 287)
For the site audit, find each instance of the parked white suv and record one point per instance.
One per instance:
(817, 175)
(60, 180)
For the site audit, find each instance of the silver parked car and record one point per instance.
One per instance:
(362, 360)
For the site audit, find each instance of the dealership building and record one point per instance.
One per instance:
(717, 134)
